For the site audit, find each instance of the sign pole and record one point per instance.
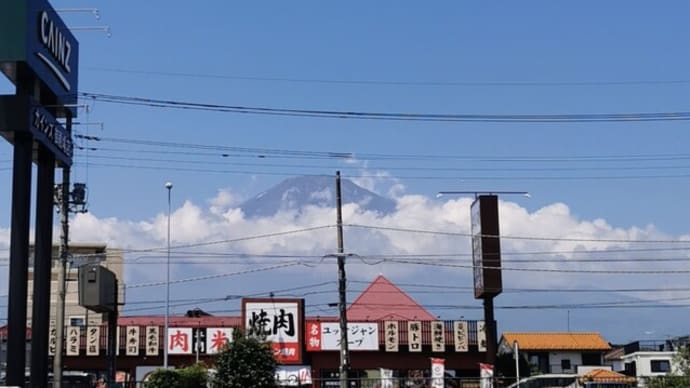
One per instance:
(19, 259)
(43, 257)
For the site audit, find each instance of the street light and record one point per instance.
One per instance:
(169, 186)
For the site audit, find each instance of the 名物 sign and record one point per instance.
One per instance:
(326, 336)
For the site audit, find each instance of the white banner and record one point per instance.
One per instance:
(414, 336)
(217, 338)
(438, 336)
(73, 337)
(293, 375)
(179, 340)
(386, 377)
(132, 338)
(481, 336)
(152, 340)
(486, 374)
(391, 335)
(460, 336)
(93, 340)
(437, 373)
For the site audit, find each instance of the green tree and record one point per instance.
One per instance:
(194, 376)
(164, 378)
(247, 362)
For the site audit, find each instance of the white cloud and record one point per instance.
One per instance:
(550, 238)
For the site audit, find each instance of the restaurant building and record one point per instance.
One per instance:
(387, 332)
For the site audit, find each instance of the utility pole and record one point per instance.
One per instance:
(63, 197)
(342, 290)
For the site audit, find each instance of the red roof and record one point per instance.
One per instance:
(383, 300)
(179, 321)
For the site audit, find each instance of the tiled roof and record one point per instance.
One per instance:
(383, 300)
(557, 341)
(179, 321)
(605, 375)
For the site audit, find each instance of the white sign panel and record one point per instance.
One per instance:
(52, 341)
(217, 338)
(73, 337)
(391, 335)
(438, 336)
(93, 339)
(360, 336)
(276, 322)
(152, 340)
(293, 375)
(481, 336)
(132, 338)
(460, 336)
(179, 340)
(437, 373)
(414, 336)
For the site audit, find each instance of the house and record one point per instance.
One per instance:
(644, 359)
(556, 352)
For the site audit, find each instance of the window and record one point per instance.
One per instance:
(660, 366)
(78, 320)
(591, 359)
(565, 364)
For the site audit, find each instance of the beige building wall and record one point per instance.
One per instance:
(80, 254)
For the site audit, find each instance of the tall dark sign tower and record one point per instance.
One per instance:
(39, 54)
(486, 263)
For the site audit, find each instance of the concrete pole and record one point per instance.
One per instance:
(342, 290)
(61, 275)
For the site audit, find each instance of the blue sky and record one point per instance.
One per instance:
(532, 57)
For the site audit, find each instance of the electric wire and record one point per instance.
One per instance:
(394, 116)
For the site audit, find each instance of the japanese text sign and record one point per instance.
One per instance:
(481, 336)
(73, 337)
(217, 338)
(414, 336)
(93, 336)
(179, 340)
(132, 338)
(278, 321)
(152, 340)
(391, 335)
(438, 336)
(460, 336)
(326, 336)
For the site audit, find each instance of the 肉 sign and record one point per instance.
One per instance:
(32, 33)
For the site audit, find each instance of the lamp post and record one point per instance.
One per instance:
(169, 186)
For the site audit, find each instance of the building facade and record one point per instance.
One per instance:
(80, 254)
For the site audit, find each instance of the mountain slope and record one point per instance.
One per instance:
(293, 194)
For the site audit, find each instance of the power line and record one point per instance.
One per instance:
(535, 238)
(398, 116)
(396, 82)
